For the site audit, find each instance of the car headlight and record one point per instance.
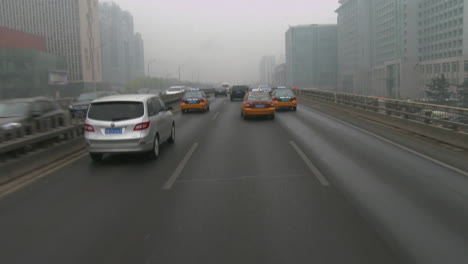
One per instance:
(10, 126)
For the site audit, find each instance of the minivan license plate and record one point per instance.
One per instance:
(113, 131)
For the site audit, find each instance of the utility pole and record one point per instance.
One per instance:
(179, 70)
(149, 63)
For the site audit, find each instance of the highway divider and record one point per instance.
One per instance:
(443, 123)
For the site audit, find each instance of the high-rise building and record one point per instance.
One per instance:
(411, 42)
(122, 49)
(267, 69)
(279, 76)
(443, 42)
(354, 46)
(71, 29)
(311, 56)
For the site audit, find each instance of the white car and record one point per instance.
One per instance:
(128, 123)
(175, 90)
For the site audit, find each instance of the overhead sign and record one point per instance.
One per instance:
(58, 78)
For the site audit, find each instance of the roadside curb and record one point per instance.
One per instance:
(437, 133)
(33, 161)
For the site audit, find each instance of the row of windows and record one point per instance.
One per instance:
(442, 55)
(435, 5)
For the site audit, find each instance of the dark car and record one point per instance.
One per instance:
(239, 92)
(81, 104)
(18, 113)
(221, 92)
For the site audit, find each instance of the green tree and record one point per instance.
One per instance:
(438, 90)
(462, 94)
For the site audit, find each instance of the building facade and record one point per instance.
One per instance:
(267, 69)
(279, 76)
(409, 42)
(25, 72)
(70, 27)
(311, 56)
(354, 46)
(122, 49)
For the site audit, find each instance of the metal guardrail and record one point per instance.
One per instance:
(436, 115)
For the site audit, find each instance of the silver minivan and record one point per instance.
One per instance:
(128, 123)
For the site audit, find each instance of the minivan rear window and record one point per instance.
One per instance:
(116, 111)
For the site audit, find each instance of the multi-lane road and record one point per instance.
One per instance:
(304, 188)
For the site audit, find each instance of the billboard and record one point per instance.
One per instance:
(58, 78)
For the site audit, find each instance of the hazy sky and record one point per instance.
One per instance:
(219, 40)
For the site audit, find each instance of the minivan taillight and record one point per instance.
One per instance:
(88, 128)
(142, 126)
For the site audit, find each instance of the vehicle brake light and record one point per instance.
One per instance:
(247, 105)
(272, 104)
(275, 99)
(88, 128)
(142, 126)
(202, 100)
(294, 99)
(182, 101)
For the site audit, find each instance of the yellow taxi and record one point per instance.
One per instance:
(195, 100)
(284, 98)
(258, 104)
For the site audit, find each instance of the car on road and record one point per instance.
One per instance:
(221, 92)
(22, 113)
(195, 100)
(175, 90)
(285, 99)
(266, 88)
(80, 105)
(258, 104)
(239, 92)
(128, 124)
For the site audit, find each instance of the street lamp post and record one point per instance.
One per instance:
(149, 63)
(179, 70)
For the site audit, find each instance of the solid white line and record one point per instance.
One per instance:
(309, 164)
(443, 164)
(180, 168)
(215, 116)
(21, 183)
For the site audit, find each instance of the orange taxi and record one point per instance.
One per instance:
(258, 104)
(284, 98)
(194, 100)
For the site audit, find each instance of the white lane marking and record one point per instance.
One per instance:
(244, 178)
(215, 116)
(443, 164)
(25, 181)
(309, 164)
(180, 168)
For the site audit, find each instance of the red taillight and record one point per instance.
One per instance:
(142, 126)
(88, 128)
(272, 104)
(248, 105)
(182, 101)
(275, 99)
(294, 99)
(202, 100)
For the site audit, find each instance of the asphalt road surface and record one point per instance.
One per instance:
(304, 188)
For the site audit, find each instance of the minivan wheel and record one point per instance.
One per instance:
(154, 154)
(96, 157)
(172, 138)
